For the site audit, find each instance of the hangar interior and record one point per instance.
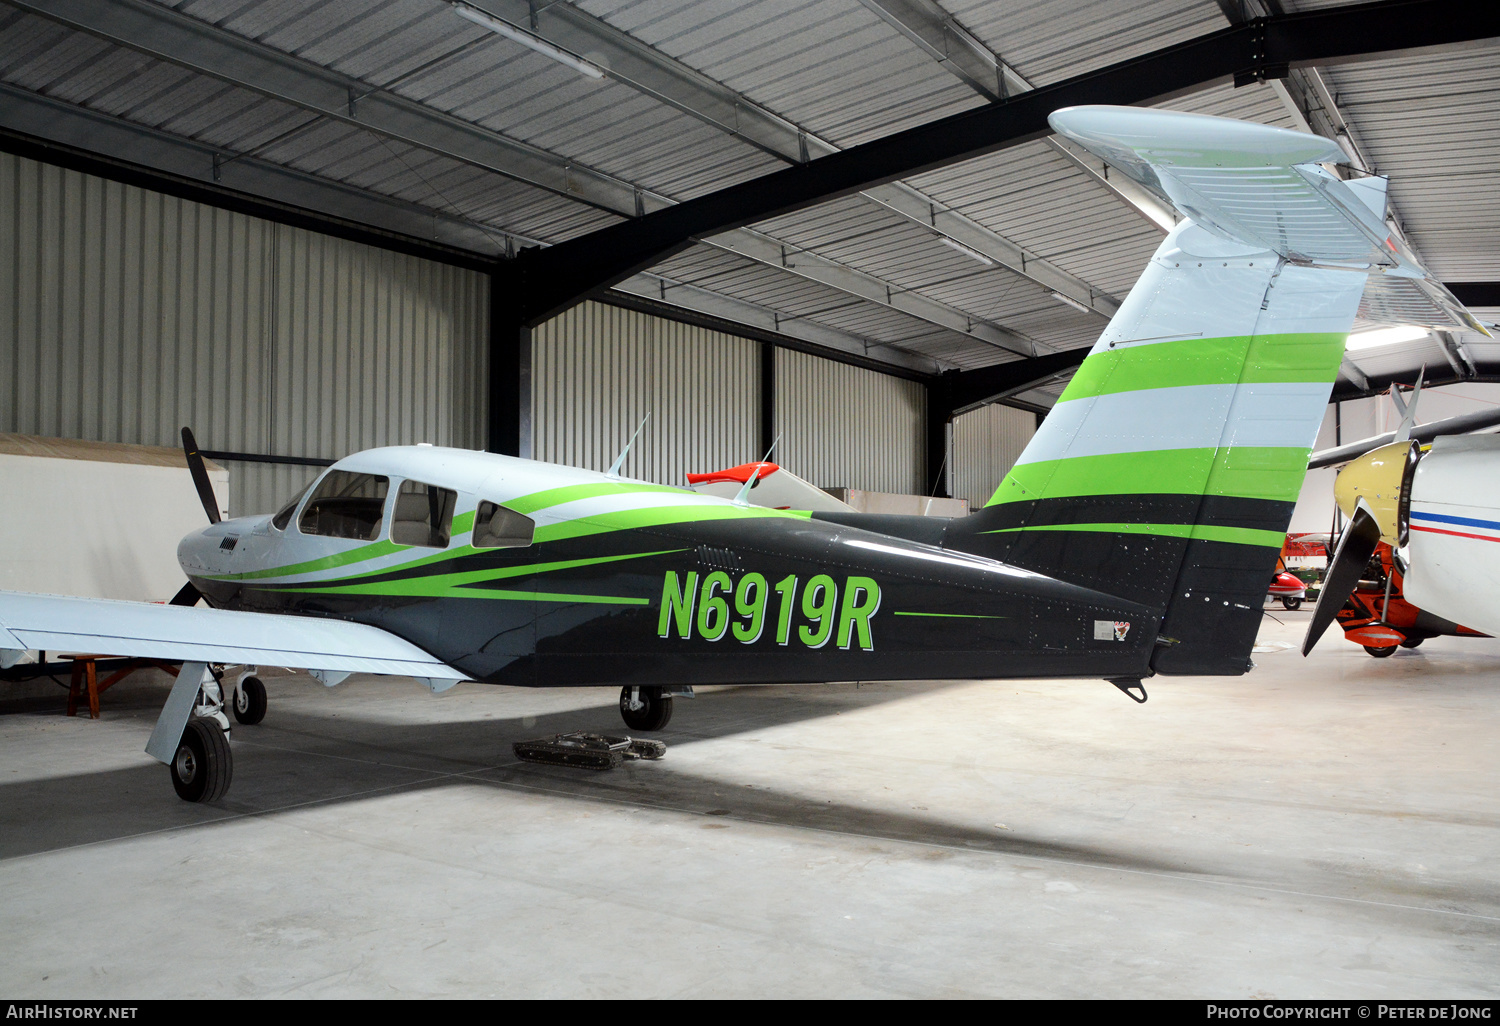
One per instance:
(811, 229)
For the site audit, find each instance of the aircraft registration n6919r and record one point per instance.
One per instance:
(1134, 535)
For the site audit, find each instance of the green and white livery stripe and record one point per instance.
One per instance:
(1238, 360)
(1264, 415)
(1208, 532)
(1247, 472)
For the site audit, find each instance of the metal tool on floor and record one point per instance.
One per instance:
(585, 750)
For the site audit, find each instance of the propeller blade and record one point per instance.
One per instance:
(1349, 562)
(200, 477)
(1408, 410)
(187, 595)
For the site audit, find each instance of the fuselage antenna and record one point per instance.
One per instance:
(614, 468)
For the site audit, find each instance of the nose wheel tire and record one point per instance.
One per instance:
(1291, 603)
(250, 701)
(202, 766)
(1380, 653)
(645, 708)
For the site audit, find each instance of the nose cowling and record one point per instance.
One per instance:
(1377, 477)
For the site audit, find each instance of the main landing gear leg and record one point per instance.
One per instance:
(191, 736)
(645, 708)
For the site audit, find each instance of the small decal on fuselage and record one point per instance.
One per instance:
(1111, 630)
(701, 604)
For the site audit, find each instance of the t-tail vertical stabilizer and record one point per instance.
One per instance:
(1167, 471)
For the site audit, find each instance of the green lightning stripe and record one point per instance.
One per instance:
(461, 584)
(528, 504)
(1236, 360)
(1243, 472)
(954, 616)
(372, 551)
(462, 524)
(1204, 532)
(656, 516)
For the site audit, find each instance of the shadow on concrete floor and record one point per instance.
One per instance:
(297, 759)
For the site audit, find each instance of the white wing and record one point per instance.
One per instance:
(58, 623)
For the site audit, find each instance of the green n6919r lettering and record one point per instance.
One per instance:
(717, 607)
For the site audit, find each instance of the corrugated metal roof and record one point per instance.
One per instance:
(835, 69)
(1047, 41)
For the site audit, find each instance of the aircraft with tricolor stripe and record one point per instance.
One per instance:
(1134, 535)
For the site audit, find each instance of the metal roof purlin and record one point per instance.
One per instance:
(691, 297)
(969, 60)
(164, 33)
(649, 71)
(556, 278)
(180, 39)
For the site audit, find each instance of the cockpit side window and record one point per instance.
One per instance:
(346, 506)
(423, 515)
(284, 517)
(496, 527)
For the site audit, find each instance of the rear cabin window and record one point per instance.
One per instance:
(496, 527)
(346, 505)
(423, 515)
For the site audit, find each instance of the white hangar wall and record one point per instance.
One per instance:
(846, 427)
(597, 370)
(126, 313)
(985, 444)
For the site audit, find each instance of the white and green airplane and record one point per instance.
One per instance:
(1134, 536)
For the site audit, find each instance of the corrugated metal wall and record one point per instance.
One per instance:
(597, 370)
(986, 444)
(844, 426)
(125, 314)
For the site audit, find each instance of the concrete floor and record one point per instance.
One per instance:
(1319, 828)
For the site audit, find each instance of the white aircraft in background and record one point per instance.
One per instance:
(1438, 507)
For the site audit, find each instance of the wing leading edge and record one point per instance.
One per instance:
(188, 634)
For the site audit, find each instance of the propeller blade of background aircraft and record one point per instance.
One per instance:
(187, 595)
(200, 476)
(1408, 410)
(1349, 562)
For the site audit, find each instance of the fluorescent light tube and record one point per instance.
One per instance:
(1386, 336)
(972, 254)
(1075, 304)
(526, 39)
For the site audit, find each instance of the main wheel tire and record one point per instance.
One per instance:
(1412, 642)
(1292, 603)
(250, 701)
(1380, 653)
(202, 766)
(654, 714)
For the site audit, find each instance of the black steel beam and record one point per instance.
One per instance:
(281, 211)
(1475, 293)
(1486, 373)
(767, 398)
(1258, 49)
(509, 394)
(954, 391)
(962, 390)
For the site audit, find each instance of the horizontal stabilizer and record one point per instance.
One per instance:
(1267, 187)
(147, 630)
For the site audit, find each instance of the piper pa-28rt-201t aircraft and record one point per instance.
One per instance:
(1133, 537)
